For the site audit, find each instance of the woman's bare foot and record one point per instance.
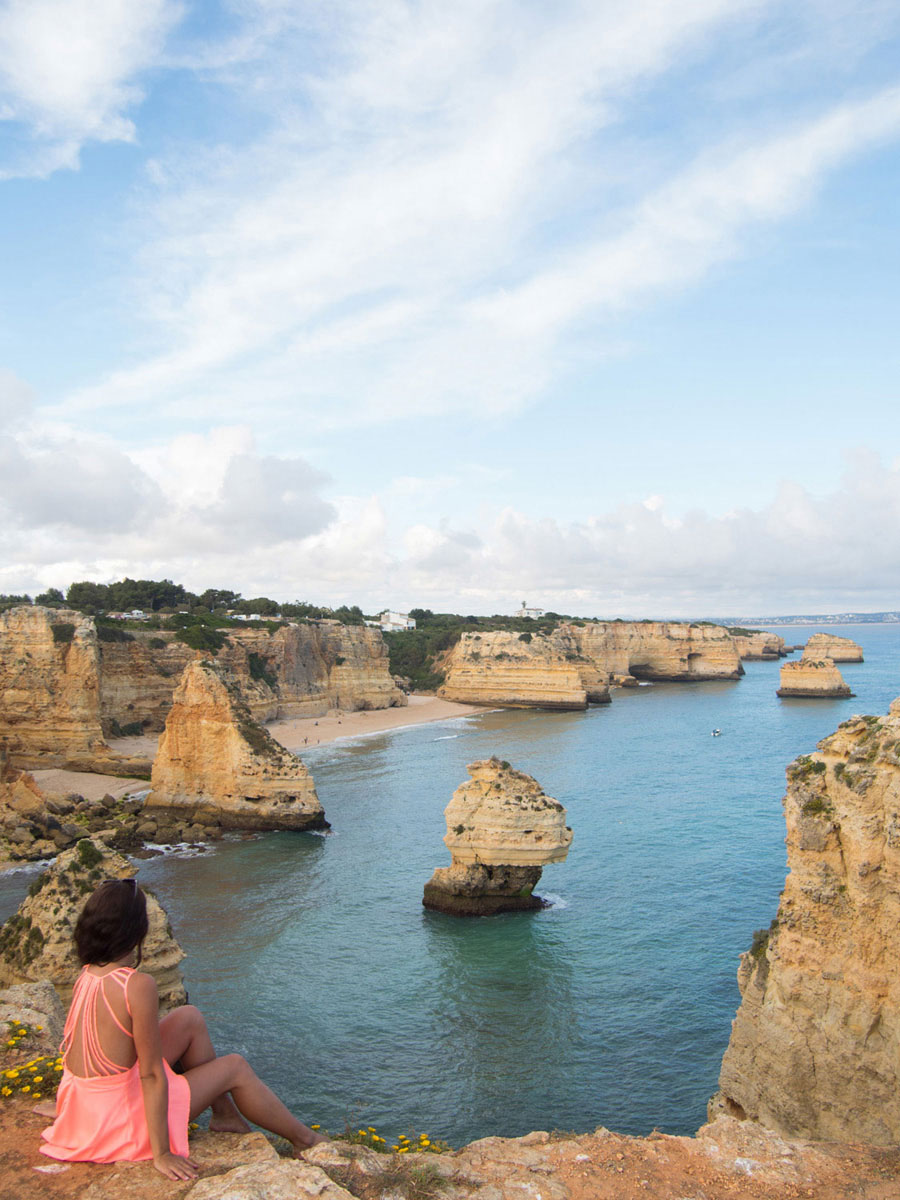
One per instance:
(228, 1124)
(307, 1140)
(46, 1108)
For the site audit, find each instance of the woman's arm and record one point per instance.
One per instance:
(144, 1000)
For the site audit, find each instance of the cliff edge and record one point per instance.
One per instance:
(815, 1045)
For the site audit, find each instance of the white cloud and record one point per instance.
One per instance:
(68, 74)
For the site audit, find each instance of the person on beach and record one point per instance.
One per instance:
(119, 1098)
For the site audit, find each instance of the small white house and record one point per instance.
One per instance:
(533, 613)
(395, 622)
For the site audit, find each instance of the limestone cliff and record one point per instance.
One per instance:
(216, 765)
(759, 646)
(36, 943)
(49, 689)
(516, 670)
(812, 678)
(838, 649)
(659, 650)
(815, 1046)
(575, 663)
(305, 670)
(501, 830)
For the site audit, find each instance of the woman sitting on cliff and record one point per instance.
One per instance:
(119, 1097)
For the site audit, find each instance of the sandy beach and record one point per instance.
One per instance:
(297, 734)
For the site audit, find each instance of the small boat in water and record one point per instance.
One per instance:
(717, 733)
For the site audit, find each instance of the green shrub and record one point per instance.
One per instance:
(202, 637)
(88, 854)
(260, 669)
(63, 633)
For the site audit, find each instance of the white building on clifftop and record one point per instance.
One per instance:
(395, 622)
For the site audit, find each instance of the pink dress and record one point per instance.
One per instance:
(100, 1115)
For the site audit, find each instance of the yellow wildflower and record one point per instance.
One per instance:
(12, 1074)
(5, 1090)
(371, 1129)
(395, 1147)
(38, 1079)
(35, 1095)
(361, 1132)
(425, 1141)
(39, 1028)
(403, 1149)
(10, 1043)
(27, 1087)
(315, 1126)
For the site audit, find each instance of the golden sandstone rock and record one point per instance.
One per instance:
(49, 689)
(573, 665)
(838, 649)
(809, 677)
(815, 1046)
(759, 646)
(218, 766)
(501, 830)
(36, 943)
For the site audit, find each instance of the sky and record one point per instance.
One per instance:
(454, 305)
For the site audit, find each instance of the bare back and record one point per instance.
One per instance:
(98, 1038)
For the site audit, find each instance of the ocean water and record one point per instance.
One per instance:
(312, 954)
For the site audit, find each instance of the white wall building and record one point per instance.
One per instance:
(395, 622)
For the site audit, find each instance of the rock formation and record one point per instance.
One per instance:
(36, 943)
(501, 830)
(815, 1046)
(838, 649)
(574, 665)
(66, 684)
(515, 670)
(812, 678)
(49, 690)
(216, 765)
(759, 646)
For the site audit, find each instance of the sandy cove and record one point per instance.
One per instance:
(296, 734)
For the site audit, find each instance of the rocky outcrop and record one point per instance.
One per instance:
(815, 1046)
(49, 689)
(66, 685)
(658, 650)
(575, 664)
(759, 646)
(812, 678)
(515, 670)
(838, 649)
(305, 670)
(216, 765)
(501, 830)
(36, 943)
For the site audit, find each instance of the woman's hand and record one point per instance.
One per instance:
(173, 1166)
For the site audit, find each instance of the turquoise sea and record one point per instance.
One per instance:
(312, 954)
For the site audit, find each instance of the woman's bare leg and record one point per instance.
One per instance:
(184, 1036)
(258, 1103)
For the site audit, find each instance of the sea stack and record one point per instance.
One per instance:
(812, 678)
(501, 830)
(217, 766)
(838, 649)
(815, 1046)
(36, 942)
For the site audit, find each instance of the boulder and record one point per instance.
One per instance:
(812, 678)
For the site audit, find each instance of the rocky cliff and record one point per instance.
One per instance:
(215, 764)
(573, 665)
(838, 649)
(515, 670)
(36, 943)
(501, 830)
(815, 1046)
(304, 670)
(49, 689)
(812, 678)
(63, 690)
(759, 646)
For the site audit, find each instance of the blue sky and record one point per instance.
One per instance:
(454, 305)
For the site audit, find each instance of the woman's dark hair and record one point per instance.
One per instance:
(112, 922)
